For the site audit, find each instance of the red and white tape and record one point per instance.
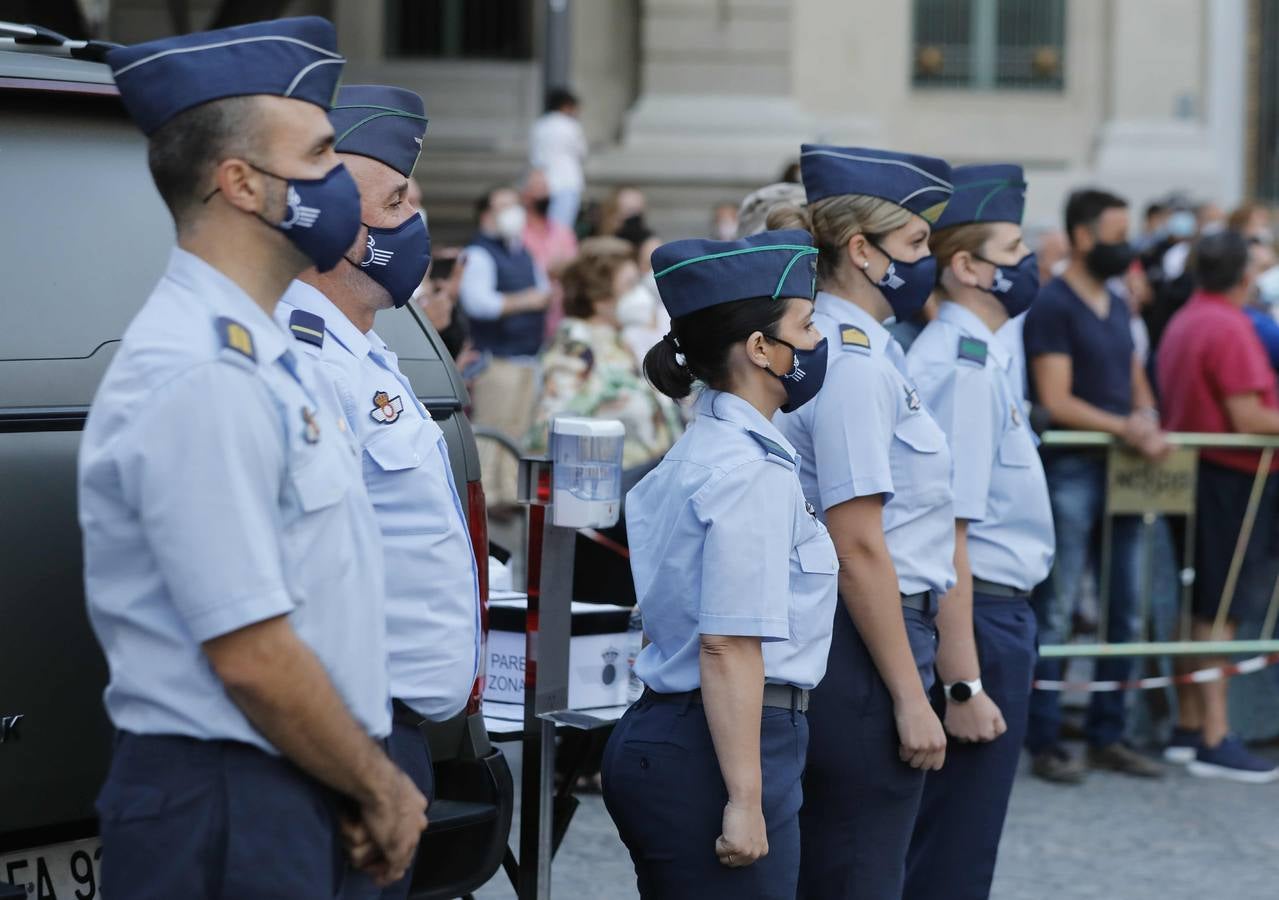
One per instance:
(1245, 667)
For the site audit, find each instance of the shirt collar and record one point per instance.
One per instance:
(307, 297)
(847, 312)
(728, 407)
(221, 295)
(971, 324)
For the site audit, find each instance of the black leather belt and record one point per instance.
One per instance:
(918, 601)
(991, 589)
(776, 696)
(404, 714)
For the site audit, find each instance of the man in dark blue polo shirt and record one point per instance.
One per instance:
(1084, 372)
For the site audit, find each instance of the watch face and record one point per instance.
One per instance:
(960, 692)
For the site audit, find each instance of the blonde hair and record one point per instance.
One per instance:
(833, 221)
(969, 238)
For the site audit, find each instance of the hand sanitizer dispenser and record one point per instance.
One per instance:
(586, 473)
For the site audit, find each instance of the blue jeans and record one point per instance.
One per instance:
(564, 207)
(1077, 489)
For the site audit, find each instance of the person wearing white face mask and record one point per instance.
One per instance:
(504, 294)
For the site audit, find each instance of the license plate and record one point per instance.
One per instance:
(70, 871)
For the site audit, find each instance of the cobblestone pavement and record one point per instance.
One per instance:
(1114, 837)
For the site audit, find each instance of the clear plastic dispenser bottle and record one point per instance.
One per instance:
(586, 475)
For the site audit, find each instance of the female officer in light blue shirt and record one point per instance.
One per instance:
(1003, 531)
(878, 467)
(735, 576)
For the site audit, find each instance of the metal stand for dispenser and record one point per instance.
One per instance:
(548, 627)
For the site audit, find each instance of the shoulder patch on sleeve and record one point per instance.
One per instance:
(235, 336)
(771, 447)
(972, 350)
(307, 327)
(854, 338)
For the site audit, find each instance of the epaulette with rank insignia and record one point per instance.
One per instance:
(235, 336)
(771, 447)
(307, 327)
(854, 338)
(972, 350)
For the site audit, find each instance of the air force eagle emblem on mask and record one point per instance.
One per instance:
(297, 214)
(386, 409)
(1001, 284)
(376, 257)
(891, 279)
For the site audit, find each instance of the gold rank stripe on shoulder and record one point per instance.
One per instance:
(235, 336)
(854, 338)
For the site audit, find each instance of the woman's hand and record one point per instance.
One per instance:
(977, 719)
(923, 740)
(745, 837)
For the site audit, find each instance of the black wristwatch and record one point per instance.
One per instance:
(963, 691)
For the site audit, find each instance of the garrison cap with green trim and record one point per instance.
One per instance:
(920, 184)
(295, 58)
(695, 274)
(381, 122)
(991, 193)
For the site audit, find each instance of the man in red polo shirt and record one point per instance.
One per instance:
(1215, 377)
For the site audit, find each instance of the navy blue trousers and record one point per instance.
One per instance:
(664, 790)
(407, 748)
(214, 819)
(961, 818)
(860, 799)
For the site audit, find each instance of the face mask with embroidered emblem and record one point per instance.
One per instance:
(321, 215)
(806, 375)
(397, 258)
(1014, 286)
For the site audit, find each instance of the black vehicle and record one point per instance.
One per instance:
(83, 239)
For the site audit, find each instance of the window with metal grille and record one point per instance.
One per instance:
(990, 44)
(1267, 158)
(456, 29)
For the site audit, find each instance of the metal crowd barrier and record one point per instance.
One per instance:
(1139, 487)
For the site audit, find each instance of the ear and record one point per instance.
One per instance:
(757, 349)
(961, 265)
(858, 252)
(243, 187)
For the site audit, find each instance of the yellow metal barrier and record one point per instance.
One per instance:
(1137, 486)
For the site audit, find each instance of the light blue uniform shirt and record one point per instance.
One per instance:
(723, 543)
(999, 481)
(868, 432)
(432, 588)
(218, 489)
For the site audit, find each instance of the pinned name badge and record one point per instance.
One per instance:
(912, 398)
(1015, 413)
(386, 409)
(808, 508)
(311, 431)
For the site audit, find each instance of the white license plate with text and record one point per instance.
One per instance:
(70, 871)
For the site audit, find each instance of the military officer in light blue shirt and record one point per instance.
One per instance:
(735, 576)
(231, 558)
(432, 587)
(878, 468)
(1003, 530)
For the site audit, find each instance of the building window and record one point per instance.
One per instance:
(456, 29)
(990, 44)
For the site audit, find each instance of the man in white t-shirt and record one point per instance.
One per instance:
(557, 146)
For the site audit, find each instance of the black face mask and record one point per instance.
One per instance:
(541, 206)
(1108, 260)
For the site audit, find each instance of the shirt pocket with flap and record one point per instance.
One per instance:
(1017, 448)
(407, 480)
(921, 470)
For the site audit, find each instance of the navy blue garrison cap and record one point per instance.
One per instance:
(380, 122)
(920, 184)
(294, 58)
(695, 274)
(994, 193)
